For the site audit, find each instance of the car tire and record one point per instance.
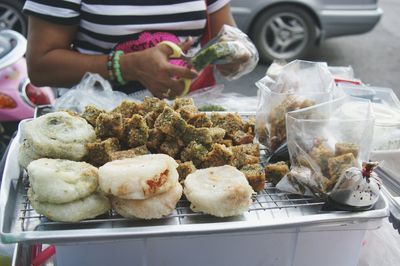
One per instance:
(11, 16)
(284, 33)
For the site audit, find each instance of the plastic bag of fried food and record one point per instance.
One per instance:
(297, 85)
(324, 141)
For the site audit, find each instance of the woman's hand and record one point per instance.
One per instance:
(151, 68)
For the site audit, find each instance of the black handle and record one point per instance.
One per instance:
(391, 189)
(394, 218)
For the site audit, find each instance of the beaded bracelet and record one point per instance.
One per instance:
(110, 66)
(116, 68)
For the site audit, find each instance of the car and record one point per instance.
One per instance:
(287, 30)
(11, 16)
(280, 29)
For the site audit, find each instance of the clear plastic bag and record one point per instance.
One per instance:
(213, 99)
(324, 141)
(92, 90)
(342, 72)
(297, 85)
(230, 46)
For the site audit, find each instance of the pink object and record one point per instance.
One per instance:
(18, 97)
(148, 40)
(42, 256)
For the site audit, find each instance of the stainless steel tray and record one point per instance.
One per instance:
(271, 209)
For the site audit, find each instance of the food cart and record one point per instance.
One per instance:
(278, 229)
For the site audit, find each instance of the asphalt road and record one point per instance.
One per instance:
(374, 56)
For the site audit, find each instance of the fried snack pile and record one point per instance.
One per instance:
(191, 137)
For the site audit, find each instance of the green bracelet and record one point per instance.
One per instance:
(117, 69)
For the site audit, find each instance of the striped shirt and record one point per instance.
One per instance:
(102, 24)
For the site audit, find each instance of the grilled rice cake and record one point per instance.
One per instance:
(220, 191)
(151, 208)
(85, 208)
(61, 181)
(57, 135)
(140, 177)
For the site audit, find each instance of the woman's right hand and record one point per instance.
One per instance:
(151, 68)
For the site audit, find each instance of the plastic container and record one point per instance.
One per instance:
(386, 108)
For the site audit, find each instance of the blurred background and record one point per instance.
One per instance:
(309, 29)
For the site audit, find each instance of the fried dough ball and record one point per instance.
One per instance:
(255, 175)
(99, 152)
(239, 137)
(109, 125)
(131, 153)
(217, 134)
(230, 122)
(91, 113)
(218, 156)
(343, 148)
(200, 135)
(156, 137)
(250, 149)
(275, 172)
(152, 104)
(188, 112)
(339, 164)
(240, 158)
(320, 153)
(184, 169)
(170, 123)
(194, 152)
(136, 131)
(200, 120)
(180, 102)
(128, 108)
(171, 147)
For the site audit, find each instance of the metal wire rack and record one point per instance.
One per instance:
(270, 202)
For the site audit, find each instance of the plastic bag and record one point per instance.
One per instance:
(297, 85)
(357, 189)
(230, 46)
(213, 99)
(92, 90)
(342, 72)
(324, 141)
